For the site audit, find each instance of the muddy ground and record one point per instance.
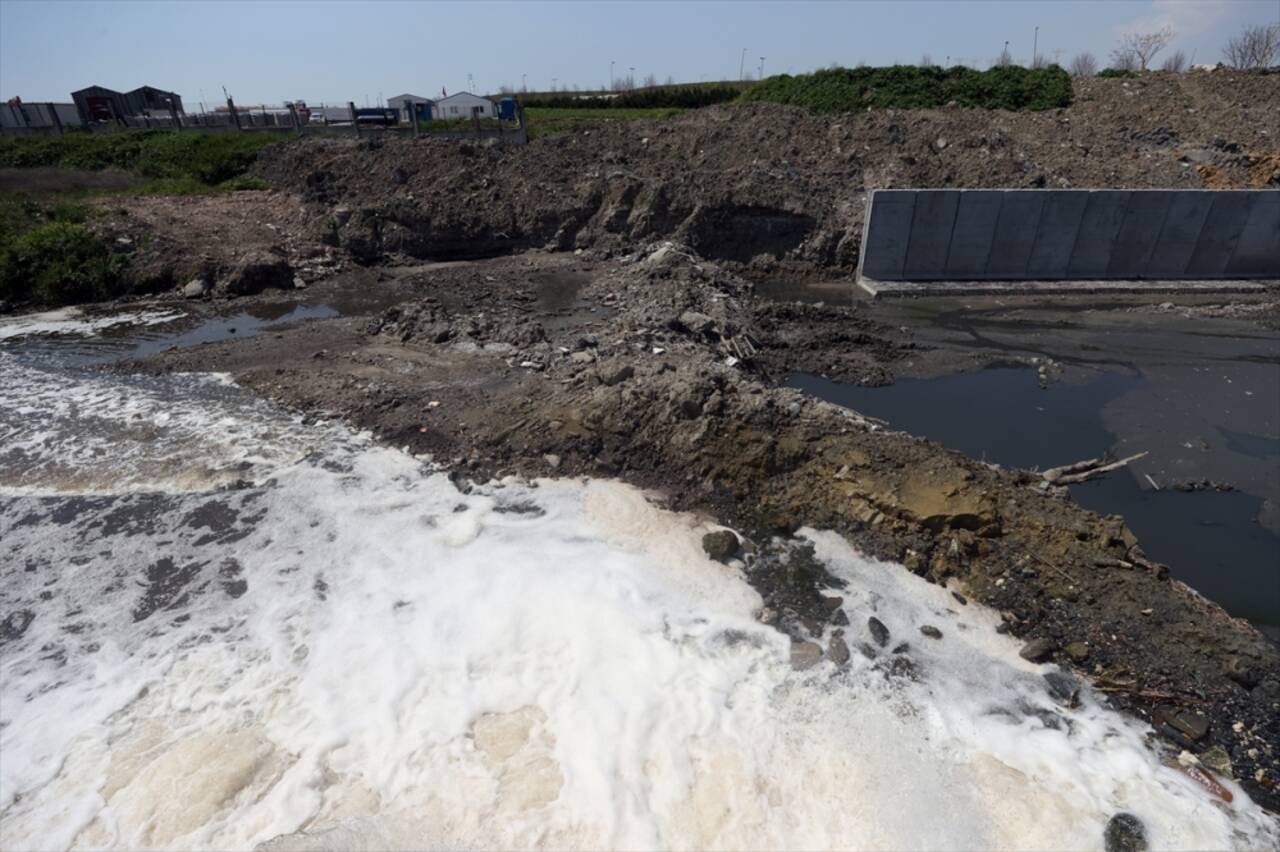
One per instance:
(617, 302)
(663, 369)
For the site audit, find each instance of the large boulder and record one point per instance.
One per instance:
(258, 271)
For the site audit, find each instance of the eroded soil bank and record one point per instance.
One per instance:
(664, 370)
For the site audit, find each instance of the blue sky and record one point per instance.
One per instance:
(337, 51)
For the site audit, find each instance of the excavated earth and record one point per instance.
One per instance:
(591, 305)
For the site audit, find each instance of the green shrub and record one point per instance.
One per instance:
(1117, 72)
(59, 263)
(210, 158)
(1008, 87)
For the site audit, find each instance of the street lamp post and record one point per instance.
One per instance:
(742, 60)
(761, 67)
(523, 86)
(611, 84)
(1035, 45)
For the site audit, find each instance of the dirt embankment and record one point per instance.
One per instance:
(652, 370)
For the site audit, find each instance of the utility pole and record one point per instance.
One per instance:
(631, 81)
(741, 64)
(1035, 45)
(611, 83)
(761, 67)
(523, 87)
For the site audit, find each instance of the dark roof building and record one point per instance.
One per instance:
(150, 99)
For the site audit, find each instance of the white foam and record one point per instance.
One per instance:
(74, 322)
(551, 665)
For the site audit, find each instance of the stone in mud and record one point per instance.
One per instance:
(1077, 651)
(720, 545)
(1125, 833)
(1189, 723)
(1242, 672)
(805, 655)
(1219, 761)
(931, 631)
(1038, 650)
(838, 649)
(194, 289)
(610, 376)
(879, 632)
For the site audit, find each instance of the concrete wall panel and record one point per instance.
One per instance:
(1015, 234)
(974, 231)
(1045, 235)
(932, 220)
(884, 250)
(1056, 237)
(1136, 242)
(1221, 232)
(1259, 245)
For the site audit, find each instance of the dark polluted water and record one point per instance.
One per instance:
(1210, 539)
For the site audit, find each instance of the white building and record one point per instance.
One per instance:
(465, 105)
(396, 102)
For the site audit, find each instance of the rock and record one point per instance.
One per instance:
(940, 143)
(902, 648)
(1189, 723)
(617, 375)
(960, 599)
(1064, 688)
(1077, 651)
(1125, 833)
(552, 460)
(832, 602)
(879, 632)
(720, 545)
(1219, 761)
(805, 655)
(1242, 673)
(694, 322)
(866, 650)
(195, 288)
(837, 649)
(341, 215)
(931, 631)
(258, 271)
(582, 357)
(1038, 650)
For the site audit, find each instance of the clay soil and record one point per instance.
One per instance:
(590, 305)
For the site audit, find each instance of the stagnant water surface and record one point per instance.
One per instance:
(1209, 539)
(223, 628)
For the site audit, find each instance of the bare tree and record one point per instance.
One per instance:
(1141, 48)
(926, 61)
(1040, 61)
(1084, 65)
(1124, 60)
(650, 81)
(1005, 57)
(1176, 62)
(1255, 47)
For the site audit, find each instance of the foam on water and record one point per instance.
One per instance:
(345, 651)
(73, 322)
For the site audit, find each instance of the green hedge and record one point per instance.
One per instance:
(683, 97)
(1008, 87)
(210, 158)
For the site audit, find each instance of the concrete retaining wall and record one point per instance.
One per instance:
(1084, 235)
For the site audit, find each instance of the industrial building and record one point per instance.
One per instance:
(98, 103)
(423, 108)
(465, 105)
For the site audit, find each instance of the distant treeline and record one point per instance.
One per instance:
(688, 96)
(1008, 87)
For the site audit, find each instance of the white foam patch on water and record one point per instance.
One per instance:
(96, 433)
(74, 322)
(357, 655)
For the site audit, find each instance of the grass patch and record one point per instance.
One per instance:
(49, 258)
(1008, 87)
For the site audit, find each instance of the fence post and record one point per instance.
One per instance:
(351, 109)
(57, 119)
(293, 116)
(235, 116)
(411, 108)
(173, 113)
